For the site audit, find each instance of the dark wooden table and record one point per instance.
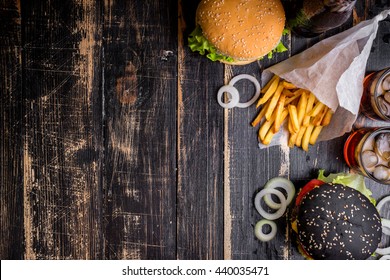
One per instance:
(113, 145)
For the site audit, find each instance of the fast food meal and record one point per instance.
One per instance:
(238, 32)
(333, 217)
(305, 114)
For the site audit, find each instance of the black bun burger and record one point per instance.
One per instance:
(238, 31)
(335, 222)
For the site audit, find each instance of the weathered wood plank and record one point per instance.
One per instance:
(249, 169)
(113, 145)
(140, 87)
(200, 150)
(63, 130)
(11, 116)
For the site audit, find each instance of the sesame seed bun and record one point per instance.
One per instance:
(337, 222)
(245, 30)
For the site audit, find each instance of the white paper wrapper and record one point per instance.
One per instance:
(333, 70)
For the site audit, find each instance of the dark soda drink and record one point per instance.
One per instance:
(367, 151)
(375, 103)
(314, 17)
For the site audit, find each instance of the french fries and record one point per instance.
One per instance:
(278, 113)
(273, 102)
(292, 111)
(283, 102)
(270, 91)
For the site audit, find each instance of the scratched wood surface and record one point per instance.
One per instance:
(113, 145)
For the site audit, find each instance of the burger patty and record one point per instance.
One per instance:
(338, 222)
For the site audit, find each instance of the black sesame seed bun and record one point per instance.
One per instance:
(244, 30)
(338, 222)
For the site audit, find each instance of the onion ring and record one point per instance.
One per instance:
(382, 202)
(385, 226)
(234, 96)
(383, 251)
(385, 222)
(259, 230)
(257, 90)
(279, 182)
(283, 204)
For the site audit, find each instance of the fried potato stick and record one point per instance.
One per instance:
(314, 135)
(292, 139)
(298, 140)
(309, 107)
(271, 133)
(301, 108)
(265, 127)
(317, 109)
(296, 95)
(261, 114)
(289, 126)
(278, 113)
(289, 85)
(306, 137)
(318, 118)
(327, 118)
(273, 102)
(288, 93)
(266, 87)
(269, 92)
(292, 111)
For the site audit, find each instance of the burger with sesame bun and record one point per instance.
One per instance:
(238, 32)
(333, 221)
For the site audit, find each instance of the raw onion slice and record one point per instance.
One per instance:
(385, 257)
(385, 226)
(382, 202)
(257, 89)
(233, 96)
(383, 251)
(259, 230)
(385, 222)
(271, 216)
(279, 182)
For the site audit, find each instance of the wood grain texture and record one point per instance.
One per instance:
(11, 116)
(62, 141)
(140, 85)
(113, 145)
(200, 150)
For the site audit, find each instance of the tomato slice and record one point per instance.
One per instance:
(307, 188)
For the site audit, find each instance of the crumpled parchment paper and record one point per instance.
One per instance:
(333, 70)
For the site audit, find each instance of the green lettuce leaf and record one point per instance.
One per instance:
(278, 49)
(355, 181)
(198, 43)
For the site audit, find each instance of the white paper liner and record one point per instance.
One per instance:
(333, 70)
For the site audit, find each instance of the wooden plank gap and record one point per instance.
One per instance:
(227, 232)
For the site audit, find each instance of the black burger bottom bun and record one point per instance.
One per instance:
(338, 222)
